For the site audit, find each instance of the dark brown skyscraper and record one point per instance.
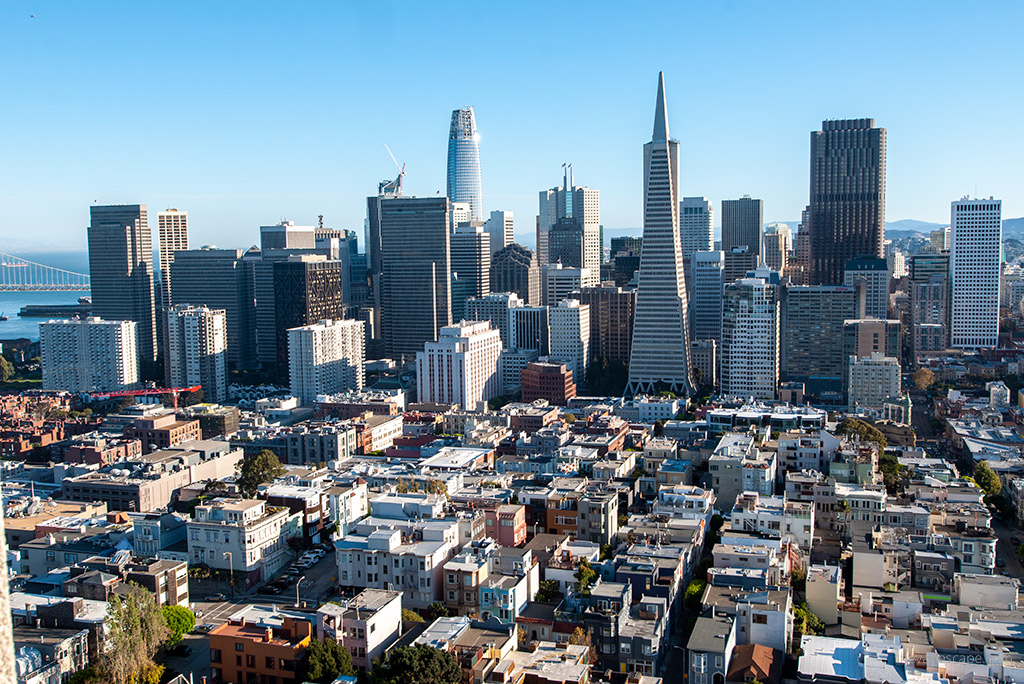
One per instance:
(515, 269)
(847, 196)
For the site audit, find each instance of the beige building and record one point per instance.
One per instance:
(461, 367)
(872, 380)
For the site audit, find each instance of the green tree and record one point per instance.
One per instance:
(417, 665)
(411, 616)
(585, 577)
(6, 369)
(547, 591)
(852, 426)
(798, 579)
(180, 620)
(659, 428)
(806, 622)
(136, 628)
(437, 610)
(252, 472)
(986, 479)
(923, 379)
(694, 593)
(325, 661)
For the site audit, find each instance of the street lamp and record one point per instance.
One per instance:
(231, 566)
(297, 585)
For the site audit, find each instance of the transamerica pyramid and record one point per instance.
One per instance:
(660, 355)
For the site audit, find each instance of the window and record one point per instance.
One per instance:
(250, 661)
(271, 660)
(215, 655)
(239, 646)
(760, 619)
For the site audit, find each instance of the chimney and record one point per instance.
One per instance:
(269, 635)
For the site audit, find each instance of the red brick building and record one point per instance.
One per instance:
(550, 381)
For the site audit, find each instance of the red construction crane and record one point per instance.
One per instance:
(173, 391)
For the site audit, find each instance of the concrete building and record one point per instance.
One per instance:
(929, 303)
(516, 269)
(811, 334)
(121, 271)
(367, 624)
(696, 225)
(326, 358)
(579, 203)
(569, 340)
(471, 266)
(873, 379)
(560, 281)
(549, 381)
(847, 197)
(464, 183)
(495, 308)
(501, 229)
(705, 359)
(287, 235)
(162, 430)
(707, 283)
(865, 336)
(89, 355)
(196, 352)
(750, 339)
(825, 592)
(776, 254)
(974, 254)
(743, 224)
(461, 367)
(243, 650)
(172, 236)
(612, 311)
(874, 272)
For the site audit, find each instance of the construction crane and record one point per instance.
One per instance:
(401, 170)
(152, 391)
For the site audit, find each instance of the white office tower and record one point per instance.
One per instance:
(172, 228)
(570, 336)
(569, 201)
(974, 247)
(660, 352)
(874, 273)
(496, 308)
(750, 339)
(696, 225)
(501, 229)
(460, 213)
(196, 351)
(872, 380)
(559, 281)
(89, 355)
(461, 367)
(708, 282)
(326, 358)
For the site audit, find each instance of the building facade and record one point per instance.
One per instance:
(461, 367)
(874, 273)
(611, 320)
(974, 255)
(516, 269)
(708, 283)
(572, 202)
(696, 225)
(89, 355)
(743, 224)
(471, 266)
(196, 352)
(464, 181)
(326, 358)
(750, 339)
(569, 340)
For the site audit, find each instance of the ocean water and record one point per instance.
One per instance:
(11, 303)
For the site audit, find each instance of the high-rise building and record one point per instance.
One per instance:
(461, 367)
(872, 381)
(501, 229)
(660, 353)
(495, 308)
(464, 183)
(708, 286)
(569, 340)
(89, 355)
(776, 254)
(530, 328)
(738, 262)
(516, 269)
(220, 279)
(121, 271)
(196, 351)
(611, 320)
(866, 336)
(416, 272)
(742, 224)
(750, 339)
(847, 209)
(471, 266)
(811, 320)
(874, 272)
(705, 362)
(549, 381)
(974, 253)
(326, 357)
(929, 303)
(799, 269)
(560, 281)
(570, 201)
(385, 189)
(172, 230)
(307, 288)
(287, 235)
(566, 243)
(696, 225)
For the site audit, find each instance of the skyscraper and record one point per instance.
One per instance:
(974, 250)
(89, 355)
(306, 288)
(196, 351)
(696, 225)
(569, 340)
(875, 274)
(121, 271)
(515, 269)
(464, 183)
(611, 320)
(501, 229)
(495, 308)
(847, 209)
(811, 320)
(742, 224)
(579, 203)
(660, 353)
(415, 272)
(326, 357)
(929, 303)
(172, 227)
(461, 366)
(750, 339)
(471, 266)
(708, 283)
(566, 243)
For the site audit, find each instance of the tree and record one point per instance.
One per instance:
(252, 472)
(569, 418)
(411, 616)
(581, 637)
(923, 379)
(659, 428)
(136, 628)
(694, 593)
(986, 479)
(437, 610)
(868, 433)
(798, 579)
(806, 622)
(180, 620)
(325, 661)
(547, 591)
(6, 369)
(417, 665)
(585, 577)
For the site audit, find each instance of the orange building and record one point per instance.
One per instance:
(241, 653)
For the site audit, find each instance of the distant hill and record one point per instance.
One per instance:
(912, 225)
(1014, 226)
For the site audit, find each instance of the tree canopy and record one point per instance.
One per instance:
(325, 661)
(585, 577)
(869, 433)
(417, 665)
(261, 468)
(136, 628)
(923, 379)
(547, 591)
(987, 479)
(180, 620)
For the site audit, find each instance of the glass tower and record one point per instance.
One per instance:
(464, 183)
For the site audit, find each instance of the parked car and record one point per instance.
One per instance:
(181, 651)
(216, 598)
(203, 628)
(271, 590)
(1000, 562)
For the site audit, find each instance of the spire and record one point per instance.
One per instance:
(660, 113)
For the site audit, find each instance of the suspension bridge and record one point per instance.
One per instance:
(22, 275)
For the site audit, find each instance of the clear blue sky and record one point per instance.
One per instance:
(246, 113)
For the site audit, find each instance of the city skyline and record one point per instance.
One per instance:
(243, 163)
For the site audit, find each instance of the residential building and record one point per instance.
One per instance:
(974, 255)
(866, 336)
(710, 648)
(241, 651)
(89, 355)
(121, 270)
(517, 269)
(696, 226)
(874, 272)
(660, 353)
(507, 524)
(750, 339)
(461, 367)
(366, 625)
(743, 224)
(847, 198)
(873, 380)
(569, 340)
(162, 430)
(46, 656)
(464, 183)
(824, 592)
(326, 358)
(172, 236)
(196, 350)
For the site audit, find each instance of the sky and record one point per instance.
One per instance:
(245, 114)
